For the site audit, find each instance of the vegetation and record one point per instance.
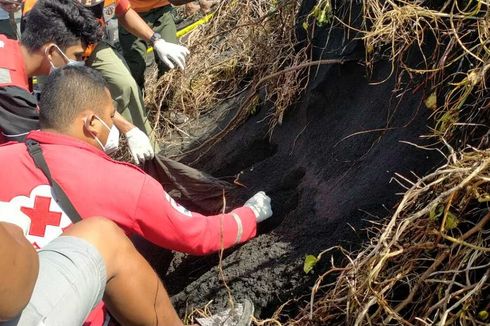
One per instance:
(429, 262)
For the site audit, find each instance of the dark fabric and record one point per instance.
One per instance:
(195, 188)
(60, 196)
(18, 113)
(7, 29)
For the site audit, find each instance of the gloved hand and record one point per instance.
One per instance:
(139, 145)
(260, 203)
(169, 52)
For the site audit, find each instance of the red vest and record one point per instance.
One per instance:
(12, 69)
(100, 186)
(18, 107)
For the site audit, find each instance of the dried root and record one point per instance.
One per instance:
(242, 50)
(429, 263)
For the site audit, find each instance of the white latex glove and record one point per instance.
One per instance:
(139, 145)
(260, 203)
(169, 52)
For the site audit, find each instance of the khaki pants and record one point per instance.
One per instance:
(161, 20)
(124, 90)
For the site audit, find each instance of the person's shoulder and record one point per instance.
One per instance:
(6, 43)
(129, 169)
(9, 49)
(11, 148)
(12, 71)
(12, 92)
(127, 175)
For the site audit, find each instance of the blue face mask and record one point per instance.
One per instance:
(69, 62)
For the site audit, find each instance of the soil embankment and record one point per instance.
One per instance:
(328, 168)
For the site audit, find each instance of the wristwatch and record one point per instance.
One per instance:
(155, 37)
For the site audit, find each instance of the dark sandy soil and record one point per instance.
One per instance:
(328, 169)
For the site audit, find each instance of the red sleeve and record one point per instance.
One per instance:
(159, 219)
(122, 6)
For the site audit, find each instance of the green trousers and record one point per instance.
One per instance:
(125, 92)
(7, 29)
(161, 20)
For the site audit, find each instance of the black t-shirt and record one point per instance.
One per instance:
(19, 113)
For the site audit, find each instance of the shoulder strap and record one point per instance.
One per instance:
(61, 198)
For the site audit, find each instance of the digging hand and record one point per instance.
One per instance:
(139, 145)
(260, 204)
(169, 52)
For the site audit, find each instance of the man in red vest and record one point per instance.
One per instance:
(58, 36)
(125, 92)
(76, 114)
(56, 33)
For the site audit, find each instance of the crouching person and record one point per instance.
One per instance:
(91, 260)
(76, 114)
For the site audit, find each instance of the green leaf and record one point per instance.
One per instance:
(435, 213)
(310, 262)
(431, 101)
(322, 18)
(483, 315)
(316, 11)
(452, 221)
(305, 26)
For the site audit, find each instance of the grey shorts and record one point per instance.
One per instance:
(71, 282)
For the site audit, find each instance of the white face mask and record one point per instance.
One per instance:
(112, 143)
(69, 62)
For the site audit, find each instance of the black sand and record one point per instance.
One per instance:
(328, 169)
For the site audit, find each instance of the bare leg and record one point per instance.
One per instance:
(19, 266)
(134, 293)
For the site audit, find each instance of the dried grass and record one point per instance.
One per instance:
(247, 48)
(453, 39)
(428, 264)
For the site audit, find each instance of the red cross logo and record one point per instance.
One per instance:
(41, 216)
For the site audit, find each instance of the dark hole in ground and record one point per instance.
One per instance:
(246, 157)
(323, 183)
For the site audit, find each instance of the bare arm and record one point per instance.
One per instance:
(19, 267)
(121, 123)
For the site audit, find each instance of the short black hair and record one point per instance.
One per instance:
(67, 92)
(63, 22)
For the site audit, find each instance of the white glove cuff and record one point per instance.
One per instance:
(132, 132)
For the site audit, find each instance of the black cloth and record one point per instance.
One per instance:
(19, 113)
(195, 189)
